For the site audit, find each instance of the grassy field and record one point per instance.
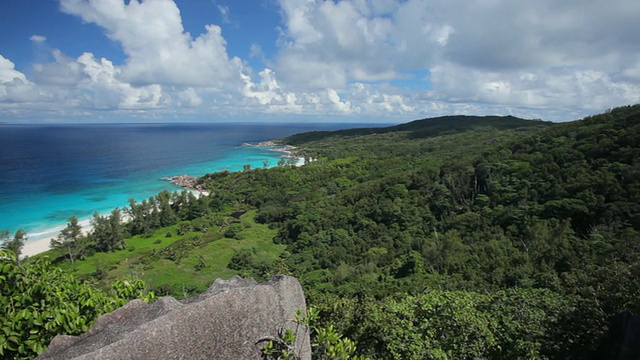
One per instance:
(180, 264)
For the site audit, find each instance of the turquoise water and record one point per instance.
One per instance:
(49, 173)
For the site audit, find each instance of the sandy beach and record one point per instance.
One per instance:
(42, 243)
(34, 247)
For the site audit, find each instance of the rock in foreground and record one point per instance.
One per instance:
(225, 322)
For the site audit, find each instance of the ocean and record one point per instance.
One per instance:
(51, 172)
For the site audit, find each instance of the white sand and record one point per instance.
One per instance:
(43, 244)
(34, 247)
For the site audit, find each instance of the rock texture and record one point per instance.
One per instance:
(185, 182)
(226, 322)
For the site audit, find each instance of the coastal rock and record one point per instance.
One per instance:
(185, 182)
(231, 320)
(182, 180)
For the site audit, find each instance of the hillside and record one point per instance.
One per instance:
(547, 212)
(453, 237)
(431, 127)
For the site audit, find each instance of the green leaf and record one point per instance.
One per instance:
(14, 339)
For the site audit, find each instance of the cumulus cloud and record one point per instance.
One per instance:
(327, 44)
(64, 71)
(158, 49)
(108, 92)
(481, 34)
(165, 68)
(14, 86)
(89, 83)
(547, 59)
(539, 89)
(543, 54)
(268, 93)
(8, 72)
(189, 98)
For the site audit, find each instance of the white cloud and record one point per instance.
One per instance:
(8, 72)
(38, 38)
(65, 71)
(541, 89)
(14, 86)
(89, 83)
(158, 49)
(273, 98)
(334, 99)
(189, 98)
(548, 59)
(225, 12)
(165, 70)
(327, 44)
(517, 55)
(108, 92)
(267, 91)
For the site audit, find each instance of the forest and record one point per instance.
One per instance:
(457, 237)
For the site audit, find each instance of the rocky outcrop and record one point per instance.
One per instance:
(231, 320)
(267, 143)
(185, 182)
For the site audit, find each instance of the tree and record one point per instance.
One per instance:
(180, 204)
(167, 214)
(14, 244)
(108, 231)
(438, 324)
(197, 206)
(243, 259)
(71, 239)
(136, 221)
(153, 215)
(40, 301)
(144, 216)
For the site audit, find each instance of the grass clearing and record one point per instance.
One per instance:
(181, 265)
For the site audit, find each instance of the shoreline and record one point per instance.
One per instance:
(41, 242)
(288, 151)
(35, 247)
(187, 182)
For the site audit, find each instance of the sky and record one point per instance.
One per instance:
(315, 60)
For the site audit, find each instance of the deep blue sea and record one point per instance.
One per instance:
(51, 172)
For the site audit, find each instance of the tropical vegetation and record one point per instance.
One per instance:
(447, 238)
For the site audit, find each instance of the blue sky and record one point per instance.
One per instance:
(22, 19)
(306, 60)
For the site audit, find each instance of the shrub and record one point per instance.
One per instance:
(243, 259)
(233, 232)
(40, 302)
